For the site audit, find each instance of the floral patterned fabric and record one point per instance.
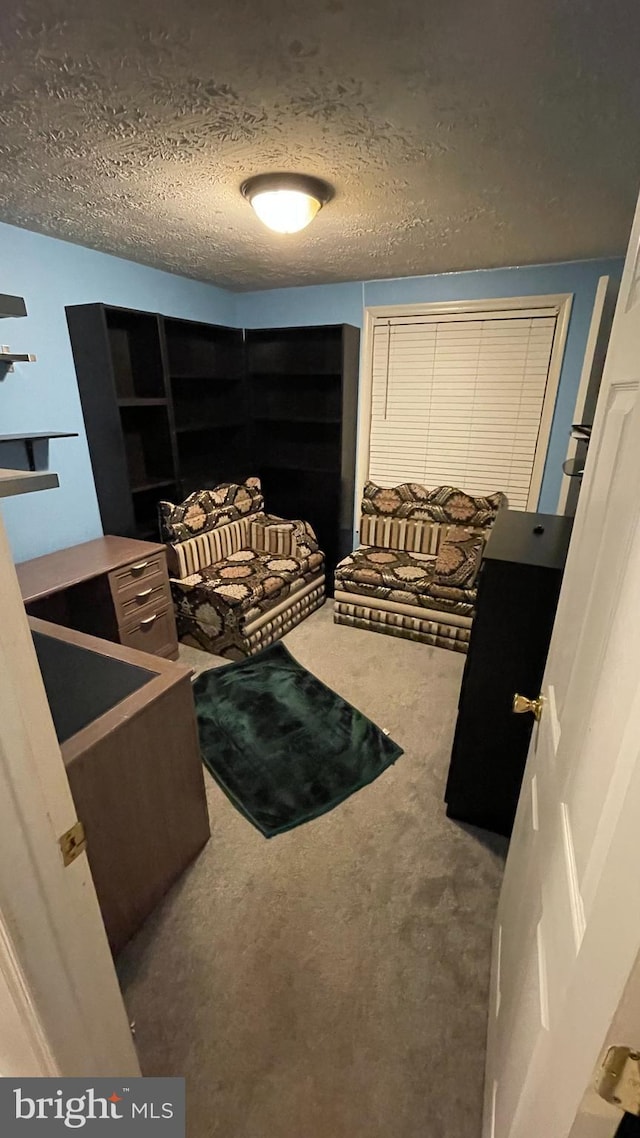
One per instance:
(222, 598)
(424, 554)
(397, 575)
(276, 535)
(444, 504)
(205, 510)
(239, 577)
(459, 558)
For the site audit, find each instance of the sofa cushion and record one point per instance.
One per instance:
(270, 534)
(447, 504)
(247, 580)
(416, 536)
(443, 504)
(377, 572)
(397, 575)
(409, 500)
(187, 557)
(205, 510)
(459, 558)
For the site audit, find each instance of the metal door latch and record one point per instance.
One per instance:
(618, 1080)
(73, 843)
(521, 705)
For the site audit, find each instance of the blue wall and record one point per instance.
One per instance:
(345, 302)
(44, 395)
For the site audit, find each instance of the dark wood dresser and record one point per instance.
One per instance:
(518, 590)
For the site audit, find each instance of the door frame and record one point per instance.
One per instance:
(562, 302)
(57, 977)
(590, 377)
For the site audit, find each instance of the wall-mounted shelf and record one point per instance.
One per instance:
(35, 436)
(13, 482)
(7, 357)
(12, 305)
(573, 467)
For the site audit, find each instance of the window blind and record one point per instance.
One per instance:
(458, 399)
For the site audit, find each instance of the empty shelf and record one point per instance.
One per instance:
(13, 482)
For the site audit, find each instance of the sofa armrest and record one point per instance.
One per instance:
(305, 538)
(180, 585)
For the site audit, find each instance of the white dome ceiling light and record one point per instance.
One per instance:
(286, 203)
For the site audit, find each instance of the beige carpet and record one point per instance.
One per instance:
(332, 982)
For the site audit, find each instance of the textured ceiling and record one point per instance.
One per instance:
(457, 134)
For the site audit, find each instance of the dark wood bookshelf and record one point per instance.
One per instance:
(121, 371)
(174, 405)
(303, 393)
(191, 428)
(153, 484)
(136, 402)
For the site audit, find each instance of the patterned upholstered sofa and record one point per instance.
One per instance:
(240, 578)
(415, 573)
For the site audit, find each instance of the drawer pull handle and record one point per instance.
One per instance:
(139, 567)
(144, 593)
(148, 620)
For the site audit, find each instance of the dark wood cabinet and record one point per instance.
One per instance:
(518, 590)
(171, 406)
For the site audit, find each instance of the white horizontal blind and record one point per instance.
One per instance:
(458, 399)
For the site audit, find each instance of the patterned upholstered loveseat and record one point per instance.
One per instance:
(415, 573)
(240, 578)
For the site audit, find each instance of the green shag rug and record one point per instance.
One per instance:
(283, 746)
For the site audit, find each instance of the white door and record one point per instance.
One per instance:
(568, 926)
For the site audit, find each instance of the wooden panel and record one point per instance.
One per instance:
(138, 572)
(153, 633)
(97, 387)
(136, 778)
(517, 597)
(58, 571)
(139, 792)
(142, 598)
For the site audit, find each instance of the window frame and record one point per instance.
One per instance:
(560, 302)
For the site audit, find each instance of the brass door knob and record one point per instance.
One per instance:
(521, 705)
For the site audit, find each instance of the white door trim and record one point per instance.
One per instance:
(560, 302)
(585, 380)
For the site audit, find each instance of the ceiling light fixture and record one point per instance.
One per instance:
(286, 202)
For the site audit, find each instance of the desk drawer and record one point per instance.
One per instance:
(155, 632)
(142, 598)
(122, 579)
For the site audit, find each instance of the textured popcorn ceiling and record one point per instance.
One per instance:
(458, 133)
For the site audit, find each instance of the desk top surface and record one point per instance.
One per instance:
(58, 571)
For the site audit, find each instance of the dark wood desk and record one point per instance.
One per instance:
(127, 730)
(116, 588)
